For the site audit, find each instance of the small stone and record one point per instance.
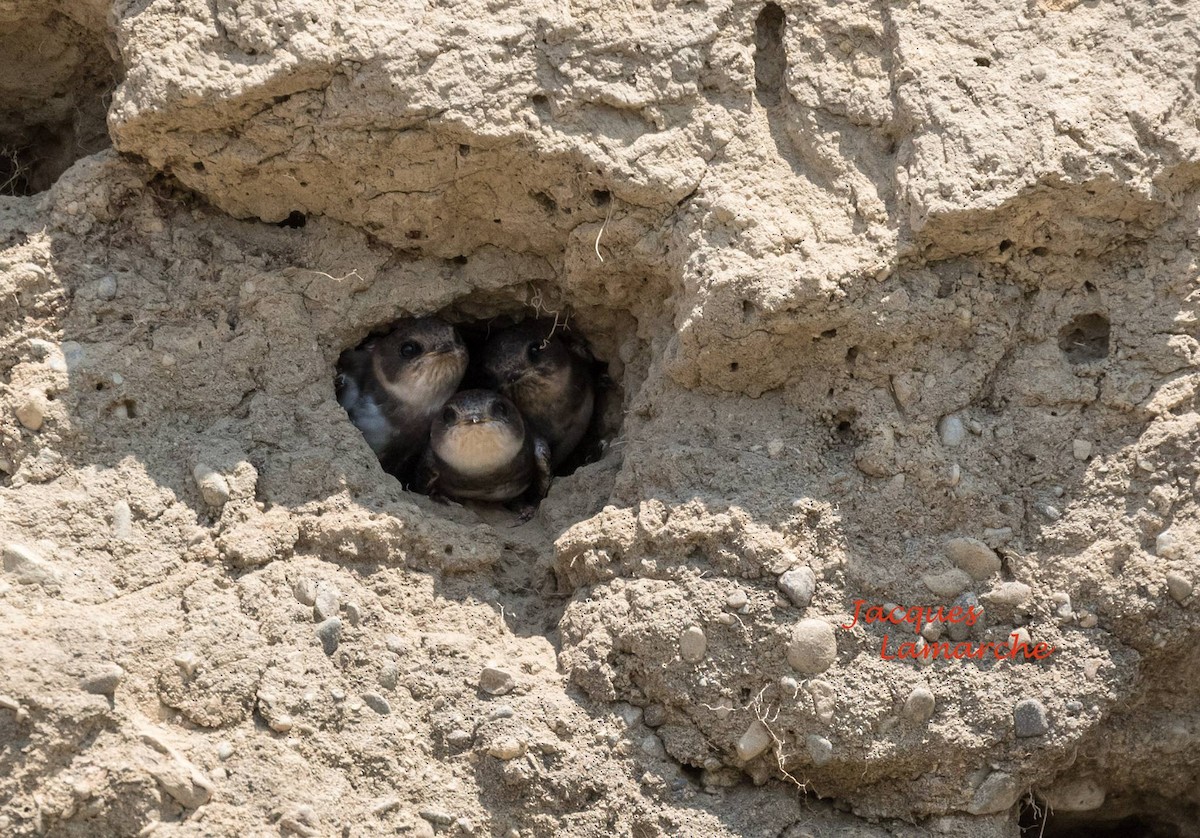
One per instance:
(1081, 449)
(26, 565)
(330, 634)
(122, 520)
(693, 644)
(189, 662)
(997, 536)
(389, 676)
(354, 613)
(32, 411)
(1078, 795)
(423, 829)
(654, 715)
(1168, 546)
(214, 488)
(458, 738)
(396, 644)
(496, 681)
(305, 592)
(737, 600)
(437, 816)
(106, 287)
(1178, 586)
(819, 748)
(1049, 510)
(1088, 620)
(775, 448)
(813, 647)
(951, 431)
(328, 602)
(377, 703)
(103, 680)
(506, 748)
(281, 723)
(652, 746)
(753, 742)
(1029, 718)
(969, 603)
(789, 685)
(973, 556)
(948, 583)
(224, 751)
(997, 793)
(1008, 594)
(918, 707)
(932, 632)
(384, 805)
(798, 585)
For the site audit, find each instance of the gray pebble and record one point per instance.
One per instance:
(438, 816)
(919, 705)
(32, 411)
(973, 556)
(106, 287)
(501, 711)
(214, 488)
(389, 676)
(951, 431)
(756, 740)
(305, 592)
(1029, 718)
(798, 585)
(1008, 593)
(813, 647)
(458, 738)
(654, 715)
(328, 602)
(693, 644)
(737, 600)
(377, 703)
(396, 644)
(1178, 586)
(354, 613)
(948, 583)
(1167, 545)
(224, 751)
(995, 794)
(819, 748)
(330, 633)
(103, 680)
(122, 520)
(496, 681)
(960, 631)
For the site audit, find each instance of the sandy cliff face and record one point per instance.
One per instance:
(901, 308)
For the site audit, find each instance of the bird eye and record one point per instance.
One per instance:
(410, 349)
(448, 415)
(535, 350)
(500, 410)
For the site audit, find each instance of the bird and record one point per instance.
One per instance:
(481, 449)
(548, 375)
(393, 386)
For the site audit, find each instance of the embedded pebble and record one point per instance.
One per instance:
(1049, 510)
(1081, 449)
(997, 536)
(458, 738)
(1007, 593)
(106, 287)
(214, 488)
(224, 751)
(328, 602)
(737, 600)
(496, 681)
(305, 591)
(973, 556)
(354, 613)
(389, 676)
(103, 680)
(693, 644)
(281, 723)
(1029, 718)
(377, 703)
(951, 431)
(995, 794)
(948, 583)
(823, 697)
(753, 742)
(798, 585)
(819, 748)
(654, 715)
(813, 647)
(789, 685)
(969, 603)
(122, 519)
(330, 634)
(919, 705)
(1178, 586)
(1088, 620)
(189, 662)
(1167, 545)
(396, 644)
(506, 748)
(32, 412)
(775, 448)
(437, 816)
(1078, 795)
(423, 829)
(26, 565)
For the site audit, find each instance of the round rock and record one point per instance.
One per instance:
(918, 707)
(1029, 718)
(330, 634)
(753, 742)
(214, 488)
(973, 556)
(1178, 586)
(813, 647)
(693, 644)
(995, 794)
(104, 680)
(496, 681)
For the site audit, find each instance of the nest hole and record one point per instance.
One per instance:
(1085, 339)
(1039, 820)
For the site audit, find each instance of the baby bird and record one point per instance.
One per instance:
(548, 376)
(480, 449)
(393, 386)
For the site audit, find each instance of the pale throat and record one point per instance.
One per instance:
(423, 386)
(479, 449)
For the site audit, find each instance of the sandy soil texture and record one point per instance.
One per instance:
(900, 306)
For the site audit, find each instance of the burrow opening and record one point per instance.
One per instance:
(593, 343)
(1085, 339)
(1039, 820)
(57, 81)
